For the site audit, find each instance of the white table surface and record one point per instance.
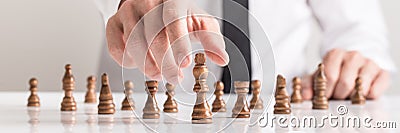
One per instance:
(16, 117)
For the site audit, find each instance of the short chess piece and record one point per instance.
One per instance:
(296, 95)
(33, 100)
(282, 103)
(170, 105)
(320, 101)
(128, 103)
(201, 111)
(256, 102)
(151, 110)
(358, 96)
(90, 96)
(241, 108)
(219, 103)
(68, 103)
(106, 103)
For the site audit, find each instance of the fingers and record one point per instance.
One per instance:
(306, 86)
(380, 84)
(368, 74)
(333, 64)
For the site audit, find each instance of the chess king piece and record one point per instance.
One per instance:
(241, 109)
(256, 102)
(201, 111)
(219, 103)
(319, 100)
(106, 103)
(151, 110)
(358, 97)
(170, 105)
(282, 105)
(90, 96)
(33, 100)
(128, 103)
(296, 95)
(68, 103)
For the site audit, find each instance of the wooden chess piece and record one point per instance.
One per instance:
(90, 96)
(170, 105)
(319, 100)
(241, 109)
(33, 100)
(219, 103)
(128, 103)
(358, 96)
(296, 95)
(151, 110)
(282, 103)
(106, 104)
(256, 102)
(201, 110)
(68, 103)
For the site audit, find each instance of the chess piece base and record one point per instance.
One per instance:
(202, 121)
(170, 110)
(240, 115)
(151, 116)
(219, 109)
(282, 111)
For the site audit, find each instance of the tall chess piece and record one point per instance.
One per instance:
(219, 103)
(358, 96)
(296, 95)
(33, 100)
(241, 109)
(68, 103)
(282, 103)
(151, 110)
(170, 105)
(319, 100)
(201, 110)
(106, 104)
(256, 102)
(90, 96)
(128, 103)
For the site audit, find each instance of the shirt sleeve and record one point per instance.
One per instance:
(354, 25)
(107, 8)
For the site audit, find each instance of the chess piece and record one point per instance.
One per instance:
(151, 110)
(106, 103)
(68, 103)
(33, 100)
(219, 103)
(201, 111)
(296, 95)
(170, 105)
(128, 103)
(241, 109)
(282, 105)
(319, 100)
(90, 96)
(256, 102)
(358, 97)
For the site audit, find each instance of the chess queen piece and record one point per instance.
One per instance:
(90, 96)
(256, 102)
(319, 100)
(282, 103)
(358, 97)
(151, 110)
(128, 103)
(219, 103)
(241, 109)
(68, 103)
(296, 95)
(33, 100)
(170, 105)
(106, 103)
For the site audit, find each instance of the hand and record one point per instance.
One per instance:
(155, 36)
(341, 70)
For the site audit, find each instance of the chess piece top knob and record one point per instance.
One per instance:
(199, 58)
(33, 82)
(219, 86)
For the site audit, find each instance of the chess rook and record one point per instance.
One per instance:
(33, 100)
(170, 105)
(296, 95)
(241, 108)
(282, 103)
(219, 103)
(128, 103)
(90, 96)
(256, 102)
(151, 110)
(358, 97)
(106, 103)
(201, 110)
(320, 101)
(68, 103)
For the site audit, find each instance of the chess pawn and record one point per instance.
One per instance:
(33, 100)
(256, 102)
(282, 105)
(296, 95)
(170, 105)
(68, 103)
(128, 103)
(151, 110)
(241, 109)
(90, 96)
(358, 97)
(219, 103)
(319, 100)
(106, 104)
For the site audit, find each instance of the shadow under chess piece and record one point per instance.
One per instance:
(219, 104)
(241, 109)
(256, 102)
(282, 103)
(358, 96)
(68, 103)
(33, 100)
(90, 96)
(319, 100)
(296, 95)
(106, 104)
(151, 110)
(170, 105)
(128, 103)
